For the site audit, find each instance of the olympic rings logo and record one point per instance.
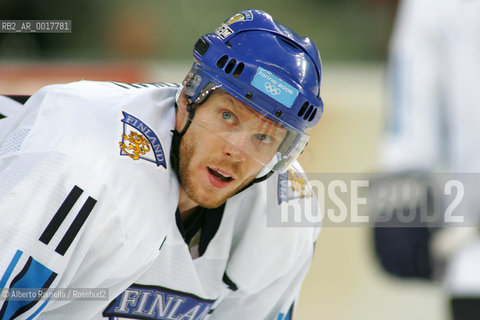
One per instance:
(273, 90)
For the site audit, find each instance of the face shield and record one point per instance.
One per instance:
(247, 131)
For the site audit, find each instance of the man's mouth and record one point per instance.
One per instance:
(220, 175)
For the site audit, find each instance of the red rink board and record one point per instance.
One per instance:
(26, 78)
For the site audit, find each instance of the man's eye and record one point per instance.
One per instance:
(227, 115)
(228, 118)
(264, 138)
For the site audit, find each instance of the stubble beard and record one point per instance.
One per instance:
(209, 201)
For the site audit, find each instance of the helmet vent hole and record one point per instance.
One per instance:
(307, 114)
(238, 70)
(230, 65)
(312, 116)
(303, 109)
(222, 61)
(201, 46)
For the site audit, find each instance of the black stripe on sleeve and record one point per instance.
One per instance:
(75, 226)
(60, 215)
(118, 84)
(133, 85)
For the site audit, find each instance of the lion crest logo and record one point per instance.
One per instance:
(140, 142)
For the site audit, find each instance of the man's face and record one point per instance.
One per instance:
(224, 149)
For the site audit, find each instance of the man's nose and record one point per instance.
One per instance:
(235, 146)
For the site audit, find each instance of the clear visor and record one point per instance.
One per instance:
(243, 131)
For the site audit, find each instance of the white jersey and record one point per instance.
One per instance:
(434, 77)
(248, 271)
(433, 124)
(88, 200)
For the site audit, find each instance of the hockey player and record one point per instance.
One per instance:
(162, 193)
(435, 71)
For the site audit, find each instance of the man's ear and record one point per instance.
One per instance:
(181, 101)
(181, 112)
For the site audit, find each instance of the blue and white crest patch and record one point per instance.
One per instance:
(293, 185)
(140, 142)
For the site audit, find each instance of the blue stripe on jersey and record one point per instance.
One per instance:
(33, 276)
(10, 268)
(38, 310)
(287, 316)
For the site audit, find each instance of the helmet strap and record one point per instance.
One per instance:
(257, 180)
(177, 137)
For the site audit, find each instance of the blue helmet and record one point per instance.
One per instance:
(268, 67)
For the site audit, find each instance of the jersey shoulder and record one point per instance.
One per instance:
(95, 111)
(264, 231)
(288, 201)
(97, 92)
(100, 124)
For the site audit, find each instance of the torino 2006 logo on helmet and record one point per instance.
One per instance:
(272, 89)
(275, 87)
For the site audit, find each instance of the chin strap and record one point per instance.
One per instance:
(257, 180)
(177, 136)
(191, 106)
